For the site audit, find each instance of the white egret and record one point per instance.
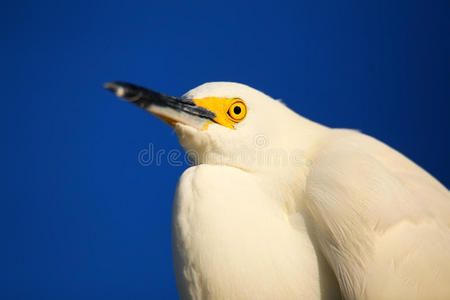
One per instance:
(280, 207)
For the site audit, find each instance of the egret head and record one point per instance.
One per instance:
(223, 123)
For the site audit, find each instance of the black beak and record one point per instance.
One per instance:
(166, 107)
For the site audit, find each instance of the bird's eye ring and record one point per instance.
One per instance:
(237, 111)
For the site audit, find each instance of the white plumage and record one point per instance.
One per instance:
(241, 246)
(308, 213)
(261, 231)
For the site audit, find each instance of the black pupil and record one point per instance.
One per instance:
(237, 110)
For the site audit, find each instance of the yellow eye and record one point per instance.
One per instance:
(237, 111)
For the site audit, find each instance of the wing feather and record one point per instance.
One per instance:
(382, 222)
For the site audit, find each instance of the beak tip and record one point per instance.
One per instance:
(109, 86)
(115, 88)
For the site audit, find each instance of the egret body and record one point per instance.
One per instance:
(280, 207)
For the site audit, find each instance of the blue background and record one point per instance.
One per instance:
(81, 218)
